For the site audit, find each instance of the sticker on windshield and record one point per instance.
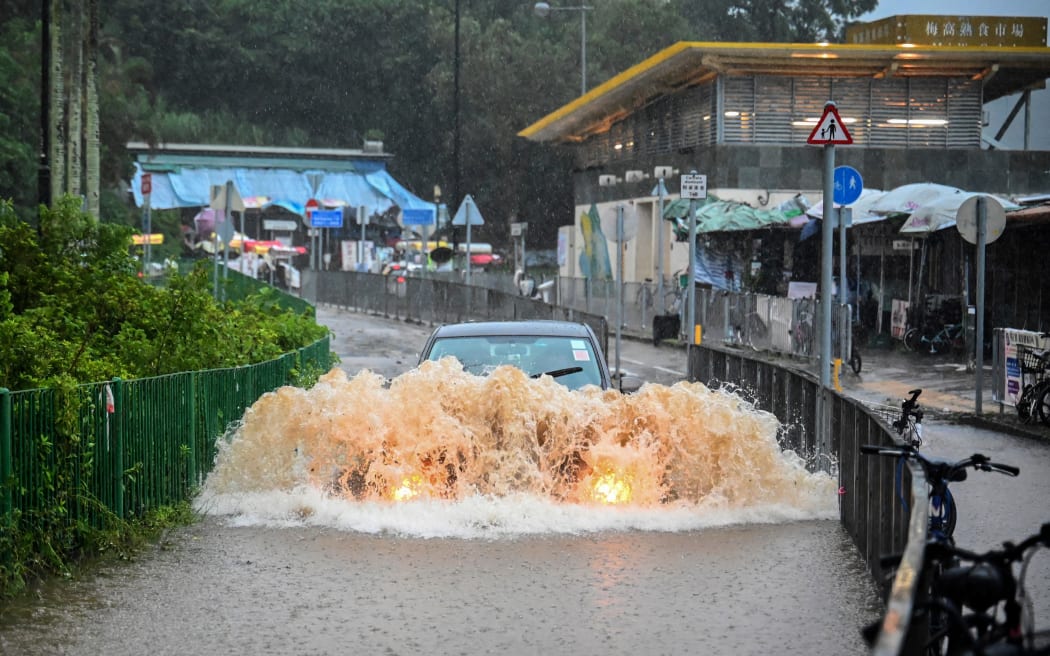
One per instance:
(581, 355)
(578, 344)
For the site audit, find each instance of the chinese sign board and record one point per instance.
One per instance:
(959, 31)
(694, 186)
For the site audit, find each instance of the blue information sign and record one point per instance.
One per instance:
(848, 185)
(418, 216)
(326, 218)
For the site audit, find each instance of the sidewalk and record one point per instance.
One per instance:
(948, 390)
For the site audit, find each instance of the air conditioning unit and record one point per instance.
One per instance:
(375, 147)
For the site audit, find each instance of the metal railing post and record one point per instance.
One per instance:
(118, 448)
(191, 433)
(6, 464)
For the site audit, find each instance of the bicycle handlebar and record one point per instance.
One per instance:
(937, 469)
(1009, 552)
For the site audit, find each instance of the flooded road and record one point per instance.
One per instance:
(214, 588)
(751, 561)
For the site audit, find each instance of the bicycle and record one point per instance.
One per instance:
(645, 298)
(942, 513)
(939, 472)
(999, 617)
(909, 424)
(950, 338)
(1034, 402)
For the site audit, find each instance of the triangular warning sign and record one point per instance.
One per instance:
(830, 129)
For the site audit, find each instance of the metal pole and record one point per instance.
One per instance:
(44, 167)
(468, 248)
(619, 289)
(583, 50)
(982, 227)
(662, 190)
(842, 215)
(826, 256)
(691, 293)
(225, 242)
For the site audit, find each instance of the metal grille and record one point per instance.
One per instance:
(894, 112)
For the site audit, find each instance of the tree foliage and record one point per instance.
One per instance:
(327, 72)
(73, 309)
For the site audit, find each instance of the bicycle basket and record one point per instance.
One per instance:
(1033, 361)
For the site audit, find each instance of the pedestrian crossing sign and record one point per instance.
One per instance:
(830, 129)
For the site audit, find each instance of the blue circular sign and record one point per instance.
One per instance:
(847, 185)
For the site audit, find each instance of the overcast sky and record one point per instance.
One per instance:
(999, 109)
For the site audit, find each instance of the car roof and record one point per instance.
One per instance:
(546, 327)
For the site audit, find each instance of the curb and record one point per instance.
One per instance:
(1002, 427)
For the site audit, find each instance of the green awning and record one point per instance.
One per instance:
(714, 215)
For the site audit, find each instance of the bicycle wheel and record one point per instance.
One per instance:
(1024, 405)
(912, 339)
(1041, 407)
(942, 516)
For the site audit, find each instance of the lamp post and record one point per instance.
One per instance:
(543, 10)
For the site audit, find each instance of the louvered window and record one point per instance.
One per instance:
(893, 112)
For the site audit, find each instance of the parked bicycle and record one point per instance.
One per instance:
(939, 473)
(950, 338)
(981, 599)
(1034, 403)
(909, 424)
(942, 512)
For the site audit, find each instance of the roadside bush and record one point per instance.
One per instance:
(73, 310)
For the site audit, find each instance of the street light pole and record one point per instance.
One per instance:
(543, 10)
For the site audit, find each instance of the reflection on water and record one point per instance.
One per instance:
(438, 451)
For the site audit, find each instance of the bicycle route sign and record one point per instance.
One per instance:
(848, 185)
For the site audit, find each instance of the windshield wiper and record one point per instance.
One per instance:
(558, 372)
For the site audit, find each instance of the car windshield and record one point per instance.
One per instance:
(571, 358)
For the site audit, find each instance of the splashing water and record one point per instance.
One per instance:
(440, 452)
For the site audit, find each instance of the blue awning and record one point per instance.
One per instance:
(371, 187)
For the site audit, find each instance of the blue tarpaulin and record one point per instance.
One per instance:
(371, 187)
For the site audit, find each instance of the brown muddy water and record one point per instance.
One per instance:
(444, 513)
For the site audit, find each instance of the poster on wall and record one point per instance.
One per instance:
(898, 318)
(1014, 376)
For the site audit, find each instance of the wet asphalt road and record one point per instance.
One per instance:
(211, 588)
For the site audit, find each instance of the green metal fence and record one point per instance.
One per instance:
(134, 445)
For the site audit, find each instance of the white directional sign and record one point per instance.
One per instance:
(468, 213)
(694, 186)
(994, 219)
(219, 199)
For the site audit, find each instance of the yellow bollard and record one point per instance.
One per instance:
(698, 332)
(835, 373)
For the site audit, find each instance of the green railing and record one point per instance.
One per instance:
(136, 445)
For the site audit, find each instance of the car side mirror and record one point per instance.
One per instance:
(630, 384)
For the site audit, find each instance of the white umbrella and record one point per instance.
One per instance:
(861, 208)
(910, 197)
(940, 213)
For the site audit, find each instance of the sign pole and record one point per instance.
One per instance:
(691, 293)
(826, 257)
(662, 189)
(982, 220)
(841, 216)
(619, 289)
(226, 242)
